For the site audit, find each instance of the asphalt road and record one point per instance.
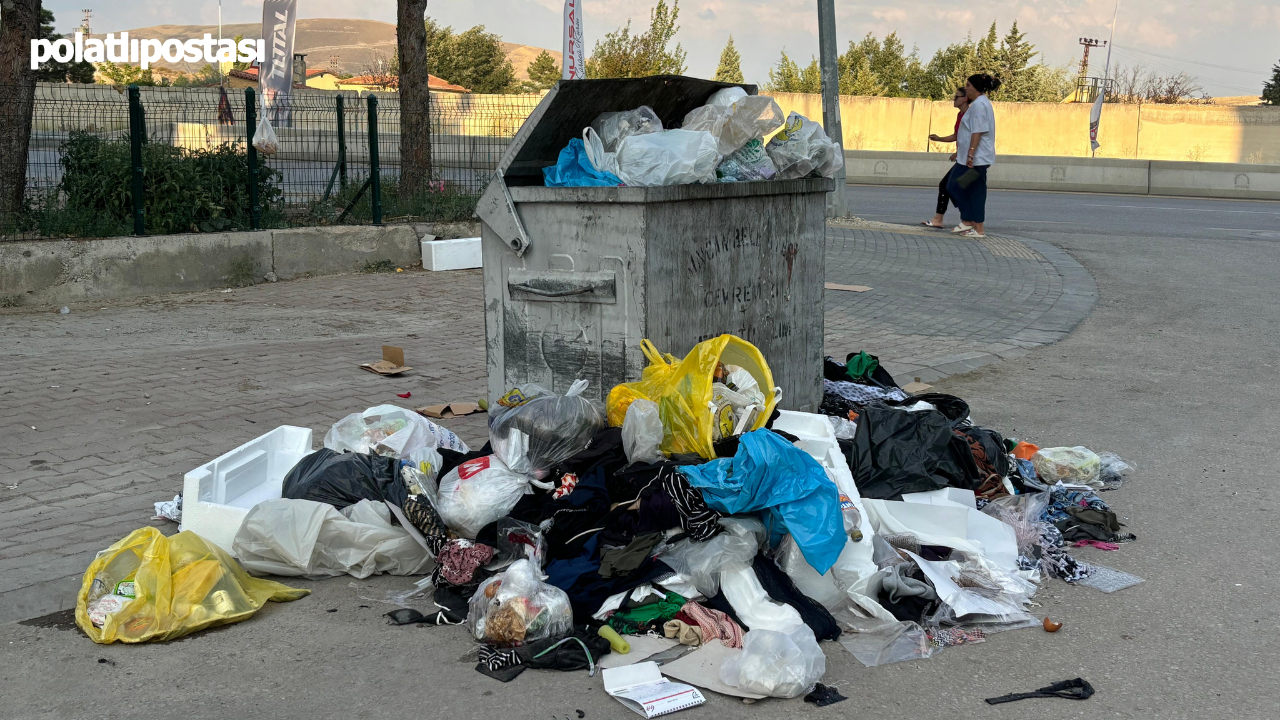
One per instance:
(1175, 370)
(1029, 213)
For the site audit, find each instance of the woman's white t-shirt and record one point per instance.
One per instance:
(979, 118)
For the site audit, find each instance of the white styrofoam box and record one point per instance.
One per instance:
(459, 254)
(816, 436)
(217, 495)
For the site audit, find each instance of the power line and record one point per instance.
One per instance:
(1170, 68)
(1253, 71)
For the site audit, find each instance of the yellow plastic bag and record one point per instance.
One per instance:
(180, 584)
(682, 390)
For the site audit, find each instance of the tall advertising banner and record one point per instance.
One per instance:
(275, 76)
(574, 62)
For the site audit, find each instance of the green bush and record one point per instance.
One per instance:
(201, 190)
(440, 202)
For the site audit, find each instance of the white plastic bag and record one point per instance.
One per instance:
(747, 163)
(479, 492)
(532, 428)
(670, 157)
(802, 147)
(264, 137)
(390, 431)
(701, 562)
(741, 587)
(776, 664)
(516, 607)
(304, 537)
(727, 97)
(748, 118)
(642, 432)
(605, 162)
(614, 127)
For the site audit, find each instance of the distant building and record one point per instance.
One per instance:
(391, 83)
(316, 79)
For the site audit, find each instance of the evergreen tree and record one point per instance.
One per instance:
(621, 54)
(1014, 67)
(787, 77)
(1271, 88)
(863, 80)
(473, 59)
(730, 68)
(53, 71)
(889, 64)
(543, 73)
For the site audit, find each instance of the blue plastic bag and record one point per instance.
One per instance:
(574, 169)
(771, 475)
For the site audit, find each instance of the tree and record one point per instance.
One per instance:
(19, 25)
(125, 74)
(544, 73)
(730, 67)
(623, 55)
(412, 62)
(53, 71)
(787, 77)
(1271, 88)
(889, 63)
(473, 59)
(237, 65)
(863, 80)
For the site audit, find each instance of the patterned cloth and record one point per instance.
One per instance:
(459, 560)
(860, 394)
(714, 625)
(420, 513)
(948, 637)
(700, 521)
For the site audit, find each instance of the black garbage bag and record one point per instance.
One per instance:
(343, 479)
(955, 409)
(896, 451)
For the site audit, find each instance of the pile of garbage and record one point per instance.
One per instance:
(685, 521)
(722, 141)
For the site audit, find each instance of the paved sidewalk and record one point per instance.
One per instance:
(104, 409)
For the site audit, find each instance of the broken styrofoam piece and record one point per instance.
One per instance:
(459, 254)
(217, 495)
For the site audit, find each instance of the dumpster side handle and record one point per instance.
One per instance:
(519, 244)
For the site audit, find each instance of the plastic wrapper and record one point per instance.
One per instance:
(391, 431)
(479, 492)
(741, 587)
(701, 562)
(516, 607)
(521, 541)
(1112, 471)
(532, 428)
(1024, 513)
(885, 643)
(182, 584)
(301, 537)
(733, 126)
(727, 96)
(1070, 465)
(642, 432)
(682, 389)
(614, 127)
(669, 157)
(802, 148)
(776, 664)
(844, 428)
(264, 137)
(747, 163)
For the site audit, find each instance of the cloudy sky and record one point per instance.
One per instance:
(1229, 44)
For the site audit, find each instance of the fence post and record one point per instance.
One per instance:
(251, 122)
(375, 179)
(137, 133)
(342, 141)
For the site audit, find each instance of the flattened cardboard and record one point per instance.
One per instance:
(449, 410)
(847, 288)
(915, 388)
(701, 668)
(392, 362)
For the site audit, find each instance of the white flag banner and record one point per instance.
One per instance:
(574, 62)
(1095, 116)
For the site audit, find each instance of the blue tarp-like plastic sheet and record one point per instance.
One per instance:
(772, 476)
(574, 169)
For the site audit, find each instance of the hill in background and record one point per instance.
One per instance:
(343, 46)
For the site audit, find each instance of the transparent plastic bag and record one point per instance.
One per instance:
(885, 643)
(844, 428)
(701, 562)
(600, 159)
(516, 607)
(747, 163)
(521, 541)
(532, 428)
(1113, 469)
(1024, 513)
(642, 432)
(776, 664)
(727, 96)
(426, 461)
(1070, 465)
(735, 125)
(390, 431)
(264, 137)
(614, 127)
(802, 148)
(479, 492)
(669, 157)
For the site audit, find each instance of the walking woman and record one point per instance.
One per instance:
(975, 153)
(961, 102)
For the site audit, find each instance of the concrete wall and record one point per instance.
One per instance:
(46, 272)
(1067, 174)
(1182, 133)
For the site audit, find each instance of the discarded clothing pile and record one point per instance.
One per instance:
(689, 519)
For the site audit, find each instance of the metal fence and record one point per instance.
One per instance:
(187, 153)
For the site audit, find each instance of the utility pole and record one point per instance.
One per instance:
(838, 201)
(1088, 43)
